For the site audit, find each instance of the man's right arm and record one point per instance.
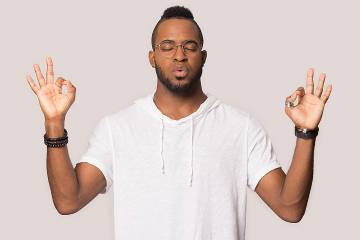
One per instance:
(71, 188)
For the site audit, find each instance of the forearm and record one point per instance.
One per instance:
(296, 189)
(61, 174)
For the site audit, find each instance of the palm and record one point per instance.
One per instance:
(308, 112)
(54, 104)
(52, 101)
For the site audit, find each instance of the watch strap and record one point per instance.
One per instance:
(306, 133)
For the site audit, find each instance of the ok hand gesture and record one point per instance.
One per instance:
(308, 112)
(54, 104)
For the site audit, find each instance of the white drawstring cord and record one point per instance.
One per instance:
(162, 142)
(191, 136)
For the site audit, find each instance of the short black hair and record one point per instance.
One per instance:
(179, 12)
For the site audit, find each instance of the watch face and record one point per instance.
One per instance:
(304, 130)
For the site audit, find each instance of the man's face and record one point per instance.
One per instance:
(181, 71)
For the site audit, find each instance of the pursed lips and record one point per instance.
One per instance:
(180, 71)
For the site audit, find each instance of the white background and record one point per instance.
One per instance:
(258, 54)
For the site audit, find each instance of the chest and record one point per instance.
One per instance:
(211, 153)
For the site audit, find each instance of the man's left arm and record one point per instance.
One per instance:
(287, 194)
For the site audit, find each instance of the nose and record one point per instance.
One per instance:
(180, 55)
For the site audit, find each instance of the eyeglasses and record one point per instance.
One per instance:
(168, 47)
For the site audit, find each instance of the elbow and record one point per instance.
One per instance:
(293, 219)
(292, 215)
(66, 209)
(292, 212)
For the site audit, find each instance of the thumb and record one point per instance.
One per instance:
(59, 82)
(71, 90)
(298, 94)
(70, 87)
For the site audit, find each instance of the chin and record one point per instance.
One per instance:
(181, 79)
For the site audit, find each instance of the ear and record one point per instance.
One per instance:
(152, 58)
(203, 57)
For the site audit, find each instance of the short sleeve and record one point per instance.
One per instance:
(100, 152)
(261, 155)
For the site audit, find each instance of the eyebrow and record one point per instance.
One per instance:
(188, 40)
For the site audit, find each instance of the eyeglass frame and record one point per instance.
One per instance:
(181, 44)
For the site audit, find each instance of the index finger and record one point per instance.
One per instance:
(309, 81)
(39, 75)
(49, 70)
(32, 84)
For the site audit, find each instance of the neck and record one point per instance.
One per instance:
(177, 106)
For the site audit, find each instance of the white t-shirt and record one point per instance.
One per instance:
(180, 179)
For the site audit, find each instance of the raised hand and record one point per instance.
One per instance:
(54, 104)
(308, 112)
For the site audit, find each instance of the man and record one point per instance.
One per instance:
(180, 159)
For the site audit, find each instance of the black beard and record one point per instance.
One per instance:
(181, 89)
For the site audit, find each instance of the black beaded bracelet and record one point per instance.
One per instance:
(56, 142)
(56, 139)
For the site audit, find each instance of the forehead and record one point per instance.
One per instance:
(177, 30)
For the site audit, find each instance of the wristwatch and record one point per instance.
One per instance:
(306, 133)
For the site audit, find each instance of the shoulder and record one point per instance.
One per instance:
(122, 114)
(236, 115)
(233, 114)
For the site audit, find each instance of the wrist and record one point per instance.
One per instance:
(54, 128)
(306, 133)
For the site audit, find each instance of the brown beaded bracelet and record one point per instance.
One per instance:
(56, 142)
(56, 139)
